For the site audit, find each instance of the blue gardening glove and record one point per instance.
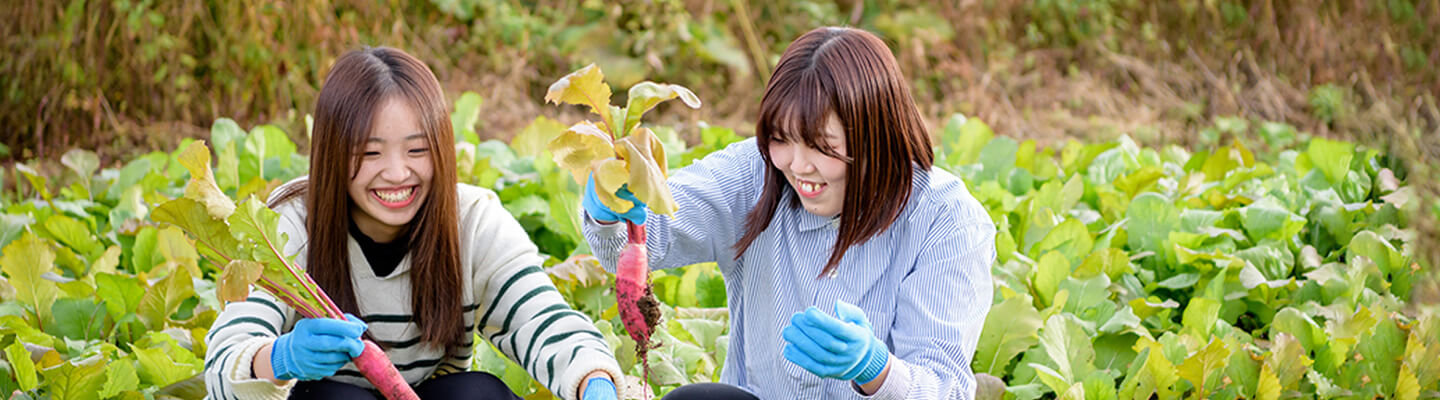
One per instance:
(841, 348)
(599, 388)
(600, 212)
(316, 348)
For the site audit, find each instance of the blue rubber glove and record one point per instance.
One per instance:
(600, 388)
(841, 348)
(600, 212)
(316, 348)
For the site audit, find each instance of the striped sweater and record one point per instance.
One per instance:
(506, 294)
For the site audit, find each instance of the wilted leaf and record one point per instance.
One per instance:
(579, 147)
(236, 279)
(202, 187)
(647, 179)
(645, 95)
(587, 87)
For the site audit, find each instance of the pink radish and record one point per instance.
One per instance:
(639, 310)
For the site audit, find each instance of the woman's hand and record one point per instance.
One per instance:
(316, 348)
(600, 212)
(840, 348)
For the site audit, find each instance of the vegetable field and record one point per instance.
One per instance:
(1263, 263)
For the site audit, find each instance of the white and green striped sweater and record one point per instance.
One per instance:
(513, 301)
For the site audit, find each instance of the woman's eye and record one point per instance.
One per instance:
(372, 153)
(419, 150)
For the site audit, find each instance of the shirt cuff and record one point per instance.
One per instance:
(896, 384)
(583, 365)
(238, 375)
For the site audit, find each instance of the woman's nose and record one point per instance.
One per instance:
(800, 156)
(395, 170)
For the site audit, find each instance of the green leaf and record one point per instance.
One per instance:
(37, 181)
(227, 137)
(1299, 326)
(165, 298)
(121, 294)
(467, 112)
(1200, 315)
(83, 163)
(587, 87)
(79, 319)
(1151, 218)
(165, 363)
(1370, 245)
(1332, 158)
(1156, 375)
(1068, 348)
(1180, 281)
(645, 95)
(69, 381)
(532, 140)
(212, 235)
(997, 158)
(24, 261)
(963, 138)
(1202, 368)
(22, 364)
(73, 233)
(1071, 238)
(1049, 271)
(1010, 328)
(266, 144)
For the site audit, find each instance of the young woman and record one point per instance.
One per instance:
(383, 227)
(833, 205)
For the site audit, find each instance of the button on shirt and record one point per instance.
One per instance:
(924, 283)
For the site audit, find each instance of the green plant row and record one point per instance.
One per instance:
(1273, 266)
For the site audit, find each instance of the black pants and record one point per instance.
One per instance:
(462, 385)
(709, 391)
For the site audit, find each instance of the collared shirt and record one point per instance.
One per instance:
(924, 283)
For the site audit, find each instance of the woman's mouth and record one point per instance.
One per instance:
(809, 189)
(394, 197)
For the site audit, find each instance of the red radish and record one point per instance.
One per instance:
(639, 310)
(380, 372)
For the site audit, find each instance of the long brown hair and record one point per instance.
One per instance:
(359, 83)
(851, 73)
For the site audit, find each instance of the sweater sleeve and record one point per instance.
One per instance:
(524, 315)
(244, 327)
(715, 194)
(236, 337)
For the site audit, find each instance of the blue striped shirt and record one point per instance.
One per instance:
(924, 283)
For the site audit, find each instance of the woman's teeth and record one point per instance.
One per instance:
(395, 196)
(810, 187)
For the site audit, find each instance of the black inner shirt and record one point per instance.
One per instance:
(383, 257)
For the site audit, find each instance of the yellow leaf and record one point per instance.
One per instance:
(202, 188)
(579, 147)
(108, 261)
(647, 180)
(610, 175)
(1407, 387)
(1268, 388)
(26, 260)
(235, 280)
(646, 95)
(587, 87)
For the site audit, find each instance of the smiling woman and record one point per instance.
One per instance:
(833, 206)
(426, 263)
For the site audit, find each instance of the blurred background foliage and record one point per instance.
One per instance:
(119, 77)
